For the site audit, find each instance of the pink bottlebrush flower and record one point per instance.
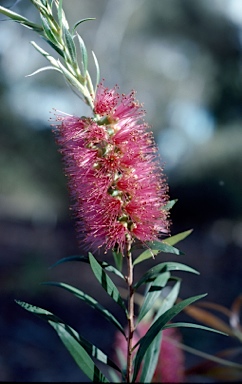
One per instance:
(115, 179)
(171, 361)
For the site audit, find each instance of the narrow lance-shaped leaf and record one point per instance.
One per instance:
(71, 258)
(72, 79)
(91, 349)
(162, 246)
(215, 359)
(69, 338)
(154, 248)
(114, 377)
(59, 11)
(156, 328)
(104, 264)
(42, 70)
(48, 31)
(51, 59)
(90, 301)
(84, 56)
(122, 361)
(22, 20)
(61, 15)
(176, 238)
(111, 268)
(96, 353)
(89, 86)
(151, 356)
(81, 357)
(170, 204)
(81, 21)
(150, 359)
(42, 5)
(106, 282)
(69, 47)
(118, 259)
(153, 293)
(55, 47)
(151, 274)
(97, 70)
(197, 326)
(168, 301)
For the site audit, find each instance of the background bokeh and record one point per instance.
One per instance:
(183, 58)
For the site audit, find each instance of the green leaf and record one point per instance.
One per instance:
(89, 300)
(22, 20)
(154, 249)
(48, 31)
(55, 47)
(114, 377)
(152, 354)
(170, 204)
(106, 282)
(91, 349)
(104, 264)
(79, 354)
(166, 302)
(84, 56)
(51, 59)
(42, 313)
(213, 358)
(42, 70)
(41, 5)
(60, 12)
(192, 325)
(122, 359)
(71, 79)
(96, 353)
(118, 259)
(152, 273)
(97, 70)
(112, 269)
(153, 294)
(169, 300)
(150, 360)
(71, 258)
(176, 238)
(69, 337)
(157, 327)
(61, 15)
(70, 46)
(81, 21)
(163, 246)
(148, 254)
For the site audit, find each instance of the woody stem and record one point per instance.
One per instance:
(130, 311)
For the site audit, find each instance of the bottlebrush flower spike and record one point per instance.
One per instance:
(115, 179)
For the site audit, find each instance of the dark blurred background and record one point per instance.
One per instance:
(183, 58)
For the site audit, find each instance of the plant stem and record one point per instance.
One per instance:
(130, 311)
